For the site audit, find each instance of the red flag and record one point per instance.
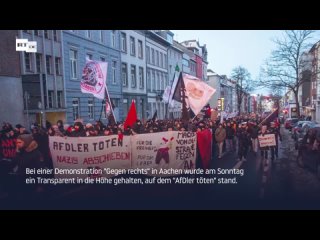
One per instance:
(204, 144)
(132, 116)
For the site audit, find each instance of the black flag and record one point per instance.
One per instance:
(179, 95)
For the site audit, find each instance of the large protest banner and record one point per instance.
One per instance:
(90, 152)
(267, 140)
(164, 150)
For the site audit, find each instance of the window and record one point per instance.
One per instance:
(75, 108)
(89, 56)
(27, 60)
(157, 58)
(153, 85)
(161, 82)
(60, 99)
(73, 64)
(165, 61)
(140, 49)
(123, 42)
(125, 106)
(101, 38)
(148, 54)
(46, 34)
(39, 62)
(124, 74)
(48, 64)
(55, 38)
(152, 55)
(51, 98)
(132, 46)
(36, 32)
(148, 79)
(88, 33)
(170, 69)
(113, 38)
(114, 68)
(114, 102)
(104, 114)
(91, 108)
(102, 59)
(158, 82)
(141, 82)
(161, 59)
(133, 76)
(58, 64)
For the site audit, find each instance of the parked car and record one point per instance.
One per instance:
(309, 150)
(290, 122)
(298, 128)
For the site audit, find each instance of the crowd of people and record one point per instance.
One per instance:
(23, 148)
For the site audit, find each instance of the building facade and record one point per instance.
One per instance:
(100, 45)
(133, 71)
(42, 75)
(10, 79)
(157, 73)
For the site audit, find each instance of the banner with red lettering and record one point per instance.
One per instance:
(267, 140)
(90, 152)
(164, 151)
(161, 152)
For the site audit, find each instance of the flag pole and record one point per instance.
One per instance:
(170, 93)
(103, 101)
(266, 118)
(110, 104)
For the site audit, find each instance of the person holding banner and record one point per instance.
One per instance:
(264, 150)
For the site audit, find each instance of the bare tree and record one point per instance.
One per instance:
(284, 69)
(244, 83)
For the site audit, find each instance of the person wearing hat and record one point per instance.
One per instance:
(21, 129)
(243, 142)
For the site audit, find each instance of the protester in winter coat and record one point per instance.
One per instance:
(220, 136)
(243, 142)
(28, 156)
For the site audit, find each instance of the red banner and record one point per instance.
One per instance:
(204, 143)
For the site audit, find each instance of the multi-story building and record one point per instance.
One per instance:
(39, 95)
(133, 71)
(100, 45)
(304, 93)
(175, 65)
(157, 73)
(11, 97)
(200, 58)
(315, 82)
(214, 81)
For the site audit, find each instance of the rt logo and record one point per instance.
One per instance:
(25, 45)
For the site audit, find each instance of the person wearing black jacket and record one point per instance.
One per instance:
(274, 149)
(254, 130)
(28, 157)
(230, 137)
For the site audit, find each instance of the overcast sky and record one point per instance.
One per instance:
(228, 49)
